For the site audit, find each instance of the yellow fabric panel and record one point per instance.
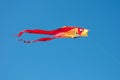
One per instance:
(71, 33)
(84, 33)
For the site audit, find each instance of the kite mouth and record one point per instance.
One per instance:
(85, 33)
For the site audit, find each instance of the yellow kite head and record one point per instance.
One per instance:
(85, 33)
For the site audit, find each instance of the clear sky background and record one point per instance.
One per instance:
(96, 57)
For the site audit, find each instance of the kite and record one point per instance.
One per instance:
(63, 32)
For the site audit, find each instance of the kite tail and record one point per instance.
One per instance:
(36, 31)
(25, 41)
(38, 40)
(20, 34)
(43, 39)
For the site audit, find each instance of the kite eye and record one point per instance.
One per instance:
(81, 30)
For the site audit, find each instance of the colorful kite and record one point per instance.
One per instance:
(63, 32)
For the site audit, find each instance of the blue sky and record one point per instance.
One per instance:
(96, 57)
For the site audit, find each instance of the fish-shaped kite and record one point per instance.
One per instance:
(63, 32)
